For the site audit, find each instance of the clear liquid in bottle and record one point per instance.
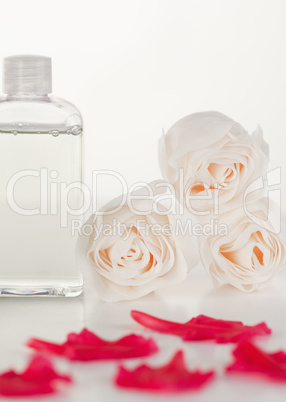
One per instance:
(40, 177)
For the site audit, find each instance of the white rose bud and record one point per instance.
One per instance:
(209, 159)
(131, 253)
(252, 252)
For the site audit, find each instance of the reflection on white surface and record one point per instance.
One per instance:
(52, 319)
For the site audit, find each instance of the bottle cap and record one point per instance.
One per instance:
(27, 75)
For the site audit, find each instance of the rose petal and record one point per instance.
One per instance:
(172, 377)
(37, 379)
(203, 328)
(87, 346)
(251, 359)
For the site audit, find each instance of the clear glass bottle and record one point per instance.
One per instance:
(40, 177)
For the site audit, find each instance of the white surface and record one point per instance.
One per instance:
(52, 319)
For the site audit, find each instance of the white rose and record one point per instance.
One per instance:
(140, 255)
(217, 157)
(252, 252)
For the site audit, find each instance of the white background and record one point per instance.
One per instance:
(133, 68)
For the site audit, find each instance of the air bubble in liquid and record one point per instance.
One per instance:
(76, 130)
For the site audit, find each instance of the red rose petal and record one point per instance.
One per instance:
(251, 359)
(37, 379)
(86, 346)
(205, 320)
(41, 368)
(203, 328)
(173, 377)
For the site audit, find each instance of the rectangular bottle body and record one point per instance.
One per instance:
(38, 171)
